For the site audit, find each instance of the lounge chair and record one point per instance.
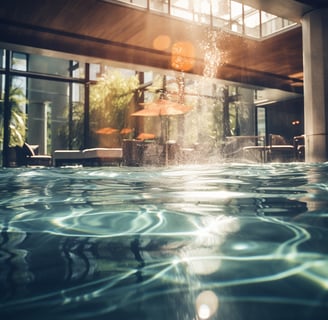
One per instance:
(27, 155)
(88, 157)
(67, 157)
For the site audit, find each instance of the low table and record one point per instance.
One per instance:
(102, 156)
(279, 153)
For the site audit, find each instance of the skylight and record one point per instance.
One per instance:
(230, 15)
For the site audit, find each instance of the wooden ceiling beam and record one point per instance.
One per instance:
(98, 30)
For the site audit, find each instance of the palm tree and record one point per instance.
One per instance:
(17, 123)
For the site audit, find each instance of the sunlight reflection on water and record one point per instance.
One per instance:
(129, 243)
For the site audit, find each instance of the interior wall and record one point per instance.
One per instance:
(286, 119)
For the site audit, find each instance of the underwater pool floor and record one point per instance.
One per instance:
(230, 242)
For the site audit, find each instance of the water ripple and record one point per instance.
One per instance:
(130, 243)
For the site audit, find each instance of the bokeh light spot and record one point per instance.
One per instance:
(183, 56)
(162, 42)
(207, 304)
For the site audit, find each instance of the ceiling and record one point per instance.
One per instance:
(96, 30)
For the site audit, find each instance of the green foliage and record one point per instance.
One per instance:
(77, 125)
(110, 98)
(18, 117)
(71, 134)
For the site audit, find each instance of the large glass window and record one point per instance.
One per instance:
(44, 105)
(261, 121)
(19, 61)
(49, 111)
(231, 15)
(2, 99)
(159, 5)
(236, 14)
(202, 12)
(181, 9)
(221, 14)
(47, 65)
(252, 22)
(111, 103)
(18, 101)
(55, 115)
(139, 3)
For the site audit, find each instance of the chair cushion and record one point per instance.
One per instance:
(68, 154)
(102, 153)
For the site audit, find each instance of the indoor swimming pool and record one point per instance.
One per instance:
(227, 242)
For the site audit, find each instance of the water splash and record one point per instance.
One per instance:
(212, 54)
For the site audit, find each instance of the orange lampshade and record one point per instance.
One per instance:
(145, 136)
(183, 56)
(107, 130)
(126, 131)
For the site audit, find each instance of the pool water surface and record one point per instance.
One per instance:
(228, 242)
